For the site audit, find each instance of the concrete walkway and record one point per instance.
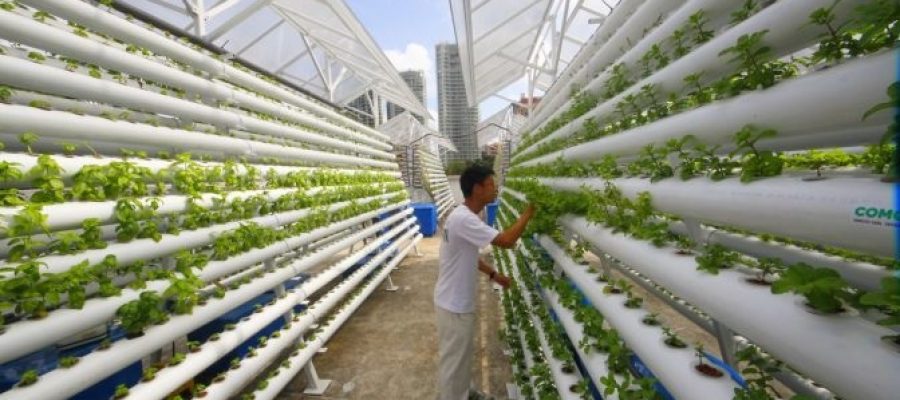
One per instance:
(388, 348)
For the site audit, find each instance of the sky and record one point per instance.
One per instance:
(407, 31)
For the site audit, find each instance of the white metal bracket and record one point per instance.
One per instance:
(390, 285)
(315, 386)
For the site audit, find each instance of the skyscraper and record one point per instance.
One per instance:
(456, 119)
(416, 82)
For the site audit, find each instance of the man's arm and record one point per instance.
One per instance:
(507, 239)
(495, 276)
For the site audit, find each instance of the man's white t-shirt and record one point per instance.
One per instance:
(464, 235)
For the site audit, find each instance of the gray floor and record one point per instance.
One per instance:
(388, 349)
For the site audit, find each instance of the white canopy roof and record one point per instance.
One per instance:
(318, 45)
(405, 129)
(502, 41)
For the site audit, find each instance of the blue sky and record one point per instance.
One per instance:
(407, 31)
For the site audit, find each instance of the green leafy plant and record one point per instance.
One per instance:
(823, 288)
(887, 299)
(68, 361)
(28, 139)
(176, 359)
(28, 378)
(137, 315)
(672, 339)
(716, 257)
(748, 8)
(121, 391)
(148, 374)
(756, 163)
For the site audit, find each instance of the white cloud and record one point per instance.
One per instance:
(417, 57)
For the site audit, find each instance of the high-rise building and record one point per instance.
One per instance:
(416, 82)
(456, 119)
(363, 109)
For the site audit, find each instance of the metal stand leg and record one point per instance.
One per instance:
(314, 385)
(416, 248)
(727, 345)
(390, 285)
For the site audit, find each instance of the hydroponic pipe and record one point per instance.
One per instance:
(564, 382)
(715, 11)
(99, 20)
(57, 125)
(63, 383)
(171, 378)
(673, 367)
(26, 336)
(821, 347)
(145, 249)
(70, 215)
(807, 105)
(851, 213)
(858, 274)
(579, 68)
(219, 269)
(780, 21)
(70, 165)
(22, 29)
(593, 361)
(17, 72)
(278, 383)
(639, 27)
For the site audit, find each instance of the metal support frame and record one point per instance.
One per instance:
(315, 386)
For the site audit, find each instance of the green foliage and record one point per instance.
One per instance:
(28, 139)
(28, 378)
(137, 315)
(716, 257)
(756, 163)
(747, 9)
(823, 288)
(887, 299)
(68, 361)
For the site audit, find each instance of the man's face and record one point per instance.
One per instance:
(487, 190)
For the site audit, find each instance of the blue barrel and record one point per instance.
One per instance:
(426, 215)
(491, 214)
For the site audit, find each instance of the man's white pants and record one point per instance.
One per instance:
(456, 343)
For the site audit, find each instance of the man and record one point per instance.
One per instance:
(454, 294)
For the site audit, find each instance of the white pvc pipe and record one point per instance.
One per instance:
(20, 73)
(70, 215)
(171, 378)
(862, 275)
(99, 20)
(781, 21)
(24, 30)
(146, 249)
(278, 383)
(832, 211)
(71, 165)
(26, 336)
(581, 69)
(830, 100)
(593, 361)
(821, 347)
(714, 10)
(563, 380)
(673, 367)
(67, 126)
(628, 35)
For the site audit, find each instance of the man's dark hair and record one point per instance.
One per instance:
(473, 175)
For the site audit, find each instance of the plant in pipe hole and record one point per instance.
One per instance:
(121, 391)
(716, 257)
(672, 339)
(703, 367)
(756, 163)
(149, 374)
(887, 300)
(137, 315)
(68, 361)
(28, 378)
(823, 288)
